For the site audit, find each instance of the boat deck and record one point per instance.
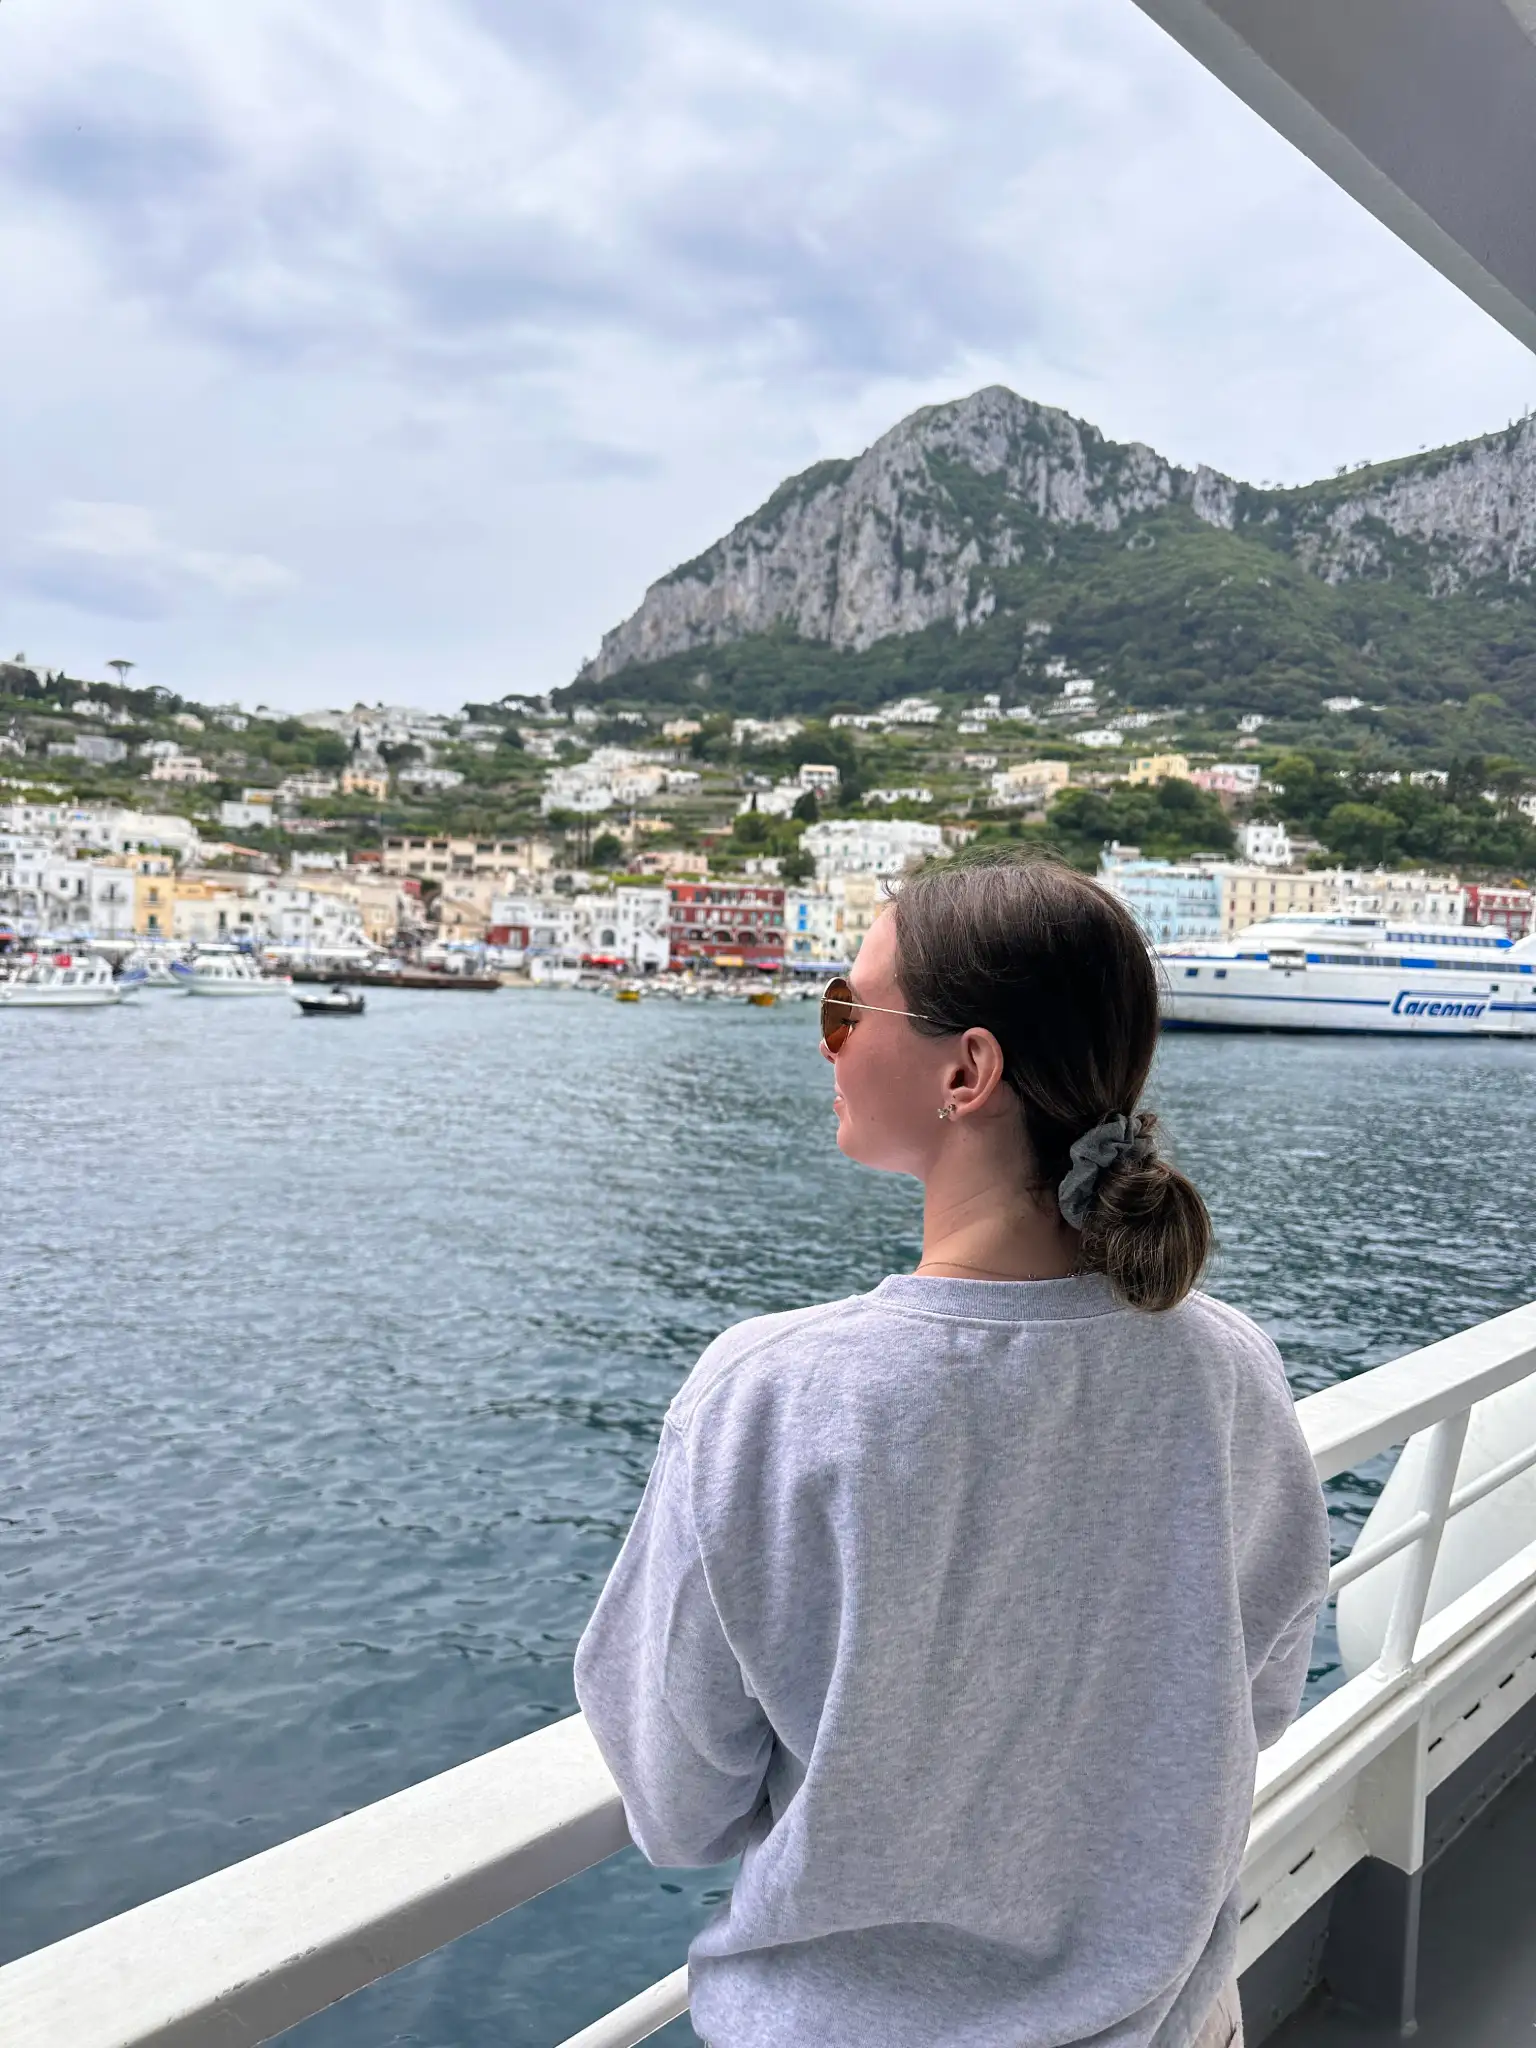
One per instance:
(1477, 1945)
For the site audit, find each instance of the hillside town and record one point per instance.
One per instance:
(538, 839)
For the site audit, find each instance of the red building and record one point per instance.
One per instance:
(732, 924)
(1507, 910)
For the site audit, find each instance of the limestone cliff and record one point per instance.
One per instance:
(911, 532)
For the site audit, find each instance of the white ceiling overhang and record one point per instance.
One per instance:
(1424, 110)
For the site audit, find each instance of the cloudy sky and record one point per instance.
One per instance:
(384, 349)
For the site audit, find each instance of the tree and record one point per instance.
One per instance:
(1363, 832)
(750, 829)
(606, 849)
(807, 809)
(122, 668)
(797, 867)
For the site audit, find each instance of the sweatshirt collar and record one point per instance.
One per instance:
(1000, 1301)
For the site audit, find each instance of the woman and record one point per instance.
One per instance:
(961, 1609)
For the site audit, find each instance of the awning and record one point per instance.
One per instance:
(1423, 110)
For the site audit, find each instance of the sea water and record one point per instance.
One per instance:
(333, 1354)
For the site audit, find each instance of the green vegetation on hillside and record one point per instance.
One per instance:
(1166, 612)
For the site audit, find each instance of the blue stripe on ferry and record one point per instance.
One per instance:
(1236, 995)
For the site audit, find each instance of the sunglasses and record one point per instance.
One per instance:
(837, 1007)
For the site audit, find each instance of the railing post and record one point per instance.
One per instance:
(1440, 1463)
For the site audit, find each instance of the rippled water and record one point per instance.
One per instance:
(333, 1355)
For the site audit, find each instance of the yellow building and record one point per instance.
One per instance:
(359, 782)
(1157, 768)
(1249, 894)
(206, 911)
(154, 902)
(863, 899)
(436, 858)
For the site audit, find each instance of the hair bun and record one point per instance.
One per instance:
(1147, 1230)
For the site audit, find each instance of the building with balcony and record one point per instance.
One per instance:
(870, 846)
(726, 924)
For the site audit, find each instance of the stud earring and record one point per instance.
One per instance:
(946, 1112)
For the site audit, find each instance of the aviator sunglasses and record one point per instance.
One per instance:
(838, 1004)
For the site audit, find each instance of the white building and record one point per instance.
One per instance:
(869, 846)
(629, 924)
(428, 778)
(305, 920)
(813, 925)
(764, 732)
(97, 748)
(912, 711)
(1265, 846)
(1100, 736)
(242, 817)
(309, 786)
(822, 776)
(103, 828)
(1427, 898)
(181, 768)
(778, 802)
(44, 890)
(609, 776)
(537, 924)
(904, 793)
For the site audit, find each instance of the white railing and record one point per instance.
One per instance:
(237, 1957)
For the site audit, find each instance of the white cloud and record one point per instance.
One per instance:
(114, 559)
(482, 315)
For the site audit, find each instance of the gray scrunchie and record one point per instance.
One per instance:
(1116, 1138)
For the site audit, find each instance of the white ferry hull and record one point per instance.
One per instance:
(1230, 995)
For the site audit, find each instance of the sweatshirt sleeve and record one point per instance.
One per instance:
(1282, 1678)
(662, 1690)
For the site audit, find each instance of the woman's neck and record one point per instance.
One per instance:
(980, 1223)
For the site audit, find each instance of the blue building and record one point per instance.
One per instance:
(1168, 899)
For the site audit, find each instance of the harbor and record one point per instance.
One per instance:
(411, 1300)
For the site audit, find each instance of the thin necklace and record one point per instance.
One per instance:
(961, 1263)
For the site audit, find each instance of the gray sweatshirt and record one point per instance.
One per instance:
(961, 1611)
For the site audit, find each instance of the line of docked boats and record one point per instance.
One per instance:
(1319, 971)
(70, 980)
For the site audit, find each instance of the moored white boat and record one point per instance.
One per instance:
(66, 981)
(228, 973)
(1327, 971)
(153, 965)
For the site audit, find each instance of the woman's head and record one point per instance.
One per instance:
(1030, 1017)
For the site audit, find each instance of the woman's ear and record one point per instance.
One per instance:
(978, 1073)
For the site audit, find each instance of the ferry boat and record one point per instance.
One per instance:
(229, 973)
(66, 982)
(1322, 971)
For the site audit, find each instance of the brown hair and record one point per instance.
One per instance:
(1058, 971)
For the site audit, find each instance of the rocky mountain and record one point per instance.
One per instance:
(994, 507)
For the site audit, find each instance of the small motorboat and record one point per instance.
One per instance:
(335, 1002)
(67, 981)
(225, 971)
